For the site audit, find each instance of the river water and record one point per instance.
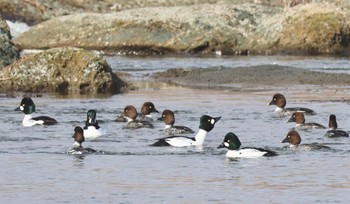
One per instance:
(35, 167)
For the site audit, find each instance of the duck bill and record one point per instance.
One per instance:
(160, 119)
(18, 108)
(155, 110)
(221, 146)
(290, 120)
(217, 119)
(285, 140)
(271, 103)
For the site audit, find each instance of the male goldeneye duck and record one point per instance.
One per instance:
(294, 139)
(206, 125)
(27, 106)
(280, 101)
(92, 130)
(299, 119)
(145, 115)
(233, 144)
(130, 114)
(77, 148)
(333, 128)
(168, 117)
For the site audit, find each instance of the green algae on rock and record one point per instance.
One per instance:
(63, 70)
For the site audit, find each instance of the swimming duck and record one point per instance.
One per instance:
(168, 117)
(299, 119)
(206, 125)
(333, 128)
(280, 101)
(145, 115)
(233, 144)
(92, 130)
(77, 148)
(130, 114)
(27, 106)
(294, 139)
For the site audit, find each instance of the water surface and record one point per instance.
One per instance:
(36, 169)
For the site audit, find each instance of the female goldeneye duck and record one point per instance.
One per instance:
(130, 114)
(294, 139)
(92, 130)
(145, 115)
(168, 117)
(27, 106)
(206, 125)
(299, 119)
(280, 101)
(333, 128)
(233, 144)
(77, 148)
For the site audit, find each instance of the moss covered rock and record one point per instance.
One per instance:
(315, 28)
(8, 52)
(63, 70)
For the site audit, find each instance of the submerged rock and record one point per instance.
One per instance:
(255, 76)
(8, 52)
(63, 70)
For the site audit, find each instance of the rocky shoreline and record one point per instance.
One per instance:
(69, 34)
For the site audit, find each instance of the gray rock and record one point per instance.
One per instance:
(200, 29)
(63, 70)
(8, 52)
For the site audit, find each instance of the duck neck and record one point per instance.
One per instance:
(167, 126)
(76, 144)
(200, 137)
(278, 110)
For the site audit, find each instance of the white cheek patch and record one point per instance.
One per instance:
(212, 121)
(21, 108)
(226, 144)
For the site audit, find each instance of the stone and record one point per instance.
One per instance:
(62, 70)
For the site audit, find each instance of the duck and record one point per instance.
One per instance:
(333, 130)
(92, 130)
(280, 102)
(294, 139)
(168, 117)
(130, 114)
(27, 106)
(206, 124)
(79, 138)
(145, 115)
(233, 144)
(299, 119)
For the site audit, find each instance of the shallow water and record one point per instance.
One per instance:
(36, 169)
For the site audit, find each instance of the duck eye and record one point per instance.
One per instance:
(288, 136)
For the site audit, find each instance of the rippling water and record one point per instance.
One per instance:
(36, 169)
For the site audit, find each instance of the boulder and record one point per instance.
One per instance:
(35, 11)
(315, 28)
(8, 52)
(204, 28)
(200, 29)
(63, 70)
